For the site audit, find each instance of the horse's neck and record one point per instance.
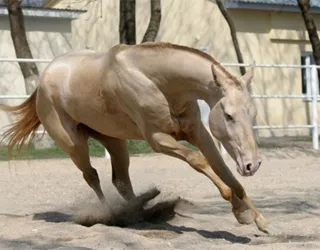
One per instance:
(182, 72)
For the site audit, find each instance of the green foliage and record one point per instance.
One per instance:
(138, 147)
(33, 153)
(96, 149)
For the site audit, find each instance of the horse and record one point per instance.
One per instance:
(147, 92)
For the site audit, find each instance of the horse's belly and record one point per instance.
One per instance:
(114, 125)
(101, 113)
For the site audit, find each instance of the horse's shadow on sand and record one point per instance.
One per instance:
(57, 217)
(154, 217)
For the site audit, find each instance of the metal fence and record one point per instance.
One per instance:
(312, 78)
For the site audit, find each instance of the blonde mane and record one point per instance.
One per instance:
(166, 45)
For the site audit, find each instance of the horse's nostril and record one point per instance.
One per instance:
(248, 167)
(259, 163)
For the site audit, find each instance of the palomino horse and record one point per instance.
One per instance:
(150, 92)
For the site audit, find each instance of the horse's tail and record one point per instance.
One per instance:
(24, 128)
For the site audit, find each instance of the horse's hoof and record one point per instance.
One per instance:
(264, 226)
(244, 217)
(147, 196)
(270, 230)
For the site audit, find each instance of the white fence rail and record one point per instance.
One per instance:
(313, 96)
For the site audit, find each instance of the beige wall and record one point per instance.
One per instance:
(47, 38)
(277, 38)
(265, 37)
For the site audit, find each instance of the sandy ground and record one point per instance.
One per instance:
(39, 200)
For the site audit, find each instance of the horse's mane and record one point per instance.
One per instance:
(166, 45)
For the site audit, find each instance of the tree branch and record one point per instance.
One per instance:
(154, 24)
(18, 34)
(304, 6)
(233, 34)
(127, 24)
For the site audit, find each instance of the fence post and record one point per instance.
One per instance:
(314, 105)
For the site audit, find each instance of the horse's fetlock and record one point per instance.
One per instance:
(226, 194)
(91, 176)
(241, 194)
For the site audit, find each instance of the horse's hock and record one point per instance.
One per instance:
(42, 141)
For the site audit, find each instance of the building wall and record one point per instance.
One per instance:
(47, 38)
(276, 38)
(264, 37)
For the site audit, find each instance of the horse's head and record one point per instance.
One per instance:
(231, 120)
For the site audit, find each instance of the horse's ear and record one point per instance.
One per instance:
(214, 76)
(247, 77)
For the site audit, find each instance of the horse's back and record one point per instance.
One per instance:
(60, 72)
(69, 59)
(81, 84)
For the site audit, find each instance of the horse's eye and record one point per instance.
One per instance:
(229, 117)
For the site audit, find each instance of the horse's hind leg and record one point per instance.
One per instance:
(72, 139)
(120, 161)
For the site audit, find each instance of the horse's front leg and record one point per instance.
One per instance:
(243, 209)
